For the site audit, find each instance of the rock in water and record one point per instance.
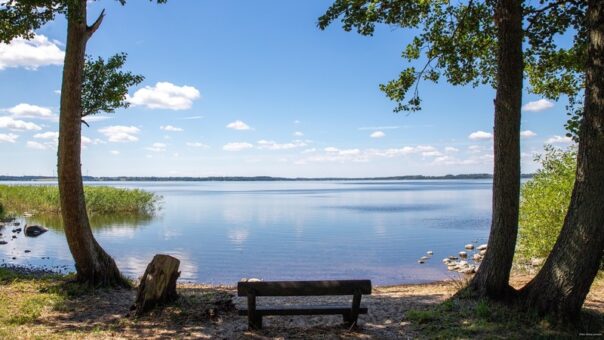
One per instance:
(3, 242)
(463, 254)
(158, 284)
(34, 230)
(482, 247)
(430, 252)
(469, 246)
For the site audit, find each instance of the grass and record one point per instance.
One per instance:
(484, 319)
(100, 200)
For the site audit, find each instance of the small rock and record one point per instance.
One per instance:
(452, 268)
(14, 258)
(34, 230)
(463, 263)
(482, 247)
(420, 261)
(463, 254)
(3, 242)
(469, 270)
(16, 224)
(469, 246)
(17, 230)
(254, 280)
(430, 252)
(423, 258)
(477, 257)
(453, 258)
(14, 236)
(446, 260)
(27, 251)
(482, 252)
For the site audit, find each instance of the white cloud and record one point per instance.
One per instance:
(170, 128)
(538, 105)
(8, 138)
(331, 149)
(377, 134)
(120, 133)
(114, 152)
(15, 124)
(298, 134)
(165, 95)
(237, 146)
(36, 145)
(311, 150)
(559, 140)
(272, 145)
(527, 134)
(30, 54)
(238, 125)
(197, 145)
(450, 149)
(192, 118)
(157, 147)
(30, 111)
(474, 148)
(47, 135)
(480, 135)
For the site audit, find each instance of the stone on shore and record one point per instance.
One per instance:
(482, 247)
(469, 246)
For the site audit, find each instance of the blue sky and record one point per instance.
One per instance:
(241, 88)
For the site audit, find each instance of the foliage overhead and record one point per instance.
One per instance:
(457, 41)
(105, 86)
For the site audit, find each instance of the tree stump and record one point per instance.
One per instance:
(158, 284)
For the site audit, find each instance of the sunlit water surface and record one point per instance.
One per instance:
(225, 231)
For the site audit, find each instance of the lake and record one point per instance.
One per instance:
(286, 230)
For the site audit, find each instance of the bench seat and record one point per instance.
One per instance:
(304, 310)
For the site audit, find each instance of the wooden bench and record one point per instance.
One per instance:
(350, 313)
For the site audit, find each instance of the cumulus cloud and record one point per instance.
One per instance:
(237, 146)
(272, 145)
(170, 128)
(559, 140)
(450, 149)
(197, 145)
(527, 134)
(30, 111)
(538, 105)
(120, 133)
(165, 95)
(157, 147)
(8, 138)
(36, 145)
(480, 135)
(47, 135)
(30, 54)
(377, 134)
(15, 124)
(238, 125)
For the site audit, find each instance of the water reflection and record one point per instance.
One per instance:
(97, 222)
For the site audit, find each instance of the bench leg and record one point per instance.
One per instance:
(255, 322)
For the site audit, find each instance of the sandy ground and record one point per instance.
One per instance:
(108, 312)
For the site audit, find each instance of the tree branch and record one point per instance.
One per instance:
(95, 26)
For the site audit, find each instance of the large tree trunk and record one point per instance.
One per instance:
(562, 284)
(493, 276)
(93, 265)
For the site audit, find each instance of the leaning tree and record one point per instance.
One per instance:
(87, 88)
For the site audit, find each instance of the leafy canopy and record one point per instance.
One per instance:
(456, 40)
(105, 86)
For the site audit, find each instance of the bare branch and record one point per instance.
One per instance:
(95, 26)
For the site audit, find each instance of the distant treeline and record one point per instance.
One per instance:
(250, 179)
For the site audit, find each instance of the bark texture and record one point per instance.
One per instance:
(158, 285)
(93, 265)
(562, 284)
(493, 276)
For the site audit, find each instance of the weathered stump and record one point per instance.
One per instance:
(158, 284)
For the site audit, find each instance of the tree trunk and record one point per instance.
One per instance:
(493, 276)
(562, 284)
(93, 265)
(158, 284)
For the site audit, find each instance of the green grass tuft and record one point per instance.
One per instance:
(100, 200)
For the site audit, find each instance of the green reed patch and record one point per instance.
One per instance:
(99, 199)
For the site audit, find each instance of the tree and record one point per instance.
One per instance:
(469, 43)
(562, 284)
(18, 19)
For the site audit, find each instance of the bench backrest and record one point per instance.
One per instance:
(304, 288)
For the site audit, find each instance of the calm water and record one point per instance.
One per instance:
(224, 231)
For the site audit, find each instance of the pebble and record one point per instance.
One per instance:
(430, 252)
(482, 247)
(477, 257)
(482, 252)
(463, 254)
(453, 258)
(3, 242)
(469, 246)
(421, 262)
(27, 251)
(423, 258)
